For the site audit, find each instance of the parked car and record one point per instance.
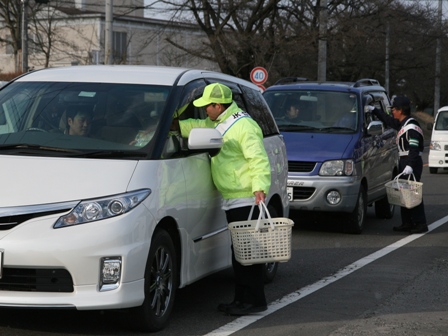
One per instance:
(438, 149)
(339, 157)
(112, 220)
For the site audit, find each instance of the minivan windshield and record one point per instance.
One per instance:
(83, 119)
(316, 111)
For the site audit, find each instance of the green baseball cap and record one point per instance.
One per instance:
(214, 93)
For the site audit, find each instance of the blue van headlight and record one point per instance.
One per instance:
(101, 208)
(337, 168)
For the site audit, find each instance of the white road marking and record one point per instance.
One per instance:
(244, 321)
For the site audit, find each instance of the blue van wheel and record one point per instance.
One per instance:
(270, 270)
(383, 209)
(355, 220)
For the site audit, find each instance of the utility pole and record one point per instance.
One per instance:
(386, 72)
(24, 36)
(438, 60)
(322, 52)
(108, 56)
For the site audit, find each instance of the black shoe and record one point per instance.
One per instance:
(246, 309)
(420, 228)
(224, 307)
(403, 228)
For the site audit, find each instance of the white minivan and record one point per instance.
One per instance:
(438, 149)
(121, 216)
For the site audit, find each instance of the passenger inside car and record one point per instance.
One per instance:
(144, 136)
(348, 120)
(349, 114)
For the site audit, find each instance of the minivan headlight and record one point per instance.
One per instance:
(435, 146)
(337, 168)
(101, 208)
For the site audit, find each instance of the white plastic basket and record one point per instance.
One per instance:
(264, 240)
(405, 193)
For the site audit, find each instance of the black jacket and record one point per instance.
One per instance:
(410, 142)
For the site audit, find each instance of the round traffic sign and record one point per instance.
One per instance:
(259, 75)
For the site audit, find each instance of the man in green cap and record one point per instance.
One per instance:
(241, 172)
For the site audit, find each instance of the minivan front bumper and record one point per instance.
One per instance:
(76, 252)
(309, 193)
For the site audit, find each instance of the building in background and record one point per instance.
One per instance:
(62, 34)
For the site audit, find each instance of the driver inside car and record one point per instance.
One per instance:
(78, 121)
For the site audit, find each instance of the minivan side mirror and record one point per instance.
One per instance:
(375, 128)
(204, 138)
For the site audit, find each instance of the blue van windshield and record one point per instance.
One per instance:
(317, 111)
(63, 118)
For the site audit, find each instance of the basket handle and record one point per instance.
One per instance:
(262, 210)
(398, 176)
(264, 214)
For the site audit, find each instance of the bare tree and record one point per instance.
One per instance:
(282, 36)
(239, 33)
(10, 14)
(11, 31)
(44, 30)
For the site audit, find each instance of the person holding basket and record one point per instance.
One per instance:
(410, 148)
(241, 172)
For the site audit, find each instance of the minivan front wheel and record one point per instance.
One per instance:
(160, 285)
(355, 220)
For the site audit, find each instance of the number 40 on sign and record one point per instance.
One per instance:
(258, 75)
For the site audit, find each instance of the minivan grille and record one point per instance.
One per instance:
(36, 280)
(8, 222)
(301, 166)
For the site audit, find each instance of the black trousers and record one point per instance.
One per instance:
(416, 215)
(249, 280)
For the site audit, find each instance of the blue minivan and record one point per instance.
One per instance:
(339, 156)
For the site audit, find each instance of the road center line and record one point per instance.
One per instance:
(244, 321)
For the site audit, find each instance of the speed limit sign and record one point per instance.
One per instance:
(259, 75)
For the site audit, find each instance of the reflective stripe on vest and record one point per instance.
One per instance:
(403, 130)
(226, 124)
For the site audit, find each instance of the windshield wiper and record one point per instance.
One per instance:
(336, 128)
(32, 149)
(294, 128)
(23, 147)
(114, 154)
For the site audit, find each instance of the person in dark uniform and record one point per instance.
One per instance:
(410, 148)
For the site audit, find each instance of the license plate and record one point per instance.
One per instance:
(290, 191)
